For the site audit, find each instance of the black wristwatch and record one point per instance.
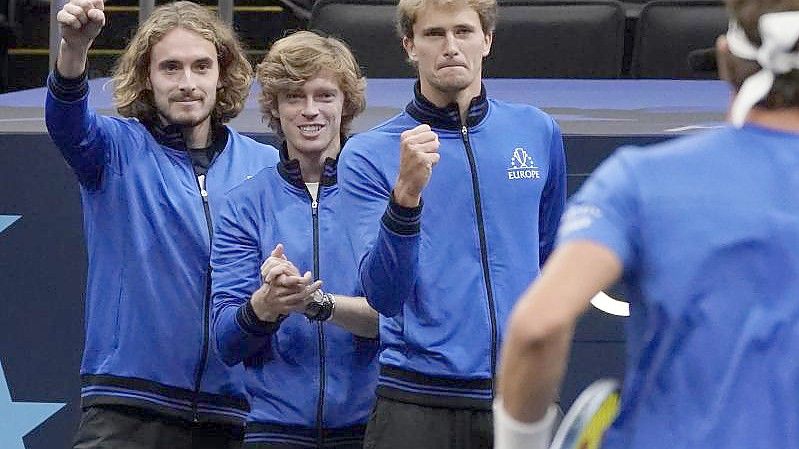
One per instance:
(321, 308)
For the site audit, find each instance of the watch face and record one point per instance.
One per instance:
(313, 309)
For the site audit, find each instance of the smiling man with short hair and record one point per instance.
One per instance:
(310, 354)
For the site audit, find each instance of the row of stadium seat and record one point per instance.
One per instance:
(535, 38)
(259, 22)
(547, 38)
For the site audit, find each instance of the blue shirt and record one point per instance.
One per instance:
(707, 229)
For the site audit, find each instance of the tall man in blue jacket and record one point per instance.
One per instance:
(709, 261)
(451, 205)
(311, 355)
(149, 184)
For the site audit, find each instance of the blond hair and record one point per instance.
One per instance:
(408, 12)
(295, 59)
(133, 98)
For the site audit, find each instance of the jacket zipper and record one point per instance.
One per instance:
(319, 324)
(492, 314)
(198, 376)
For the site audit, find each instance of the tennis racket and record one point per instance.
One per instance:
(591, 414)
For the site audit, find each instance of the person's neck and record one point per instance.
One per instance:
(463, 98)
(312, 165)
(198, 136)
(786, 119)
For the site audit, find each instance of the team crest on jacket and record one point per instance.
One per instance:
(522, 166)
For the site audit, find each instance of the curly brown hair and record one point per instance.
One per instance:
(295, 59)
(785, 92)
(133, 98)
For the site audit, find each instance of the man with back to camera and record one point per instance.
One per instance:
(709, 262)
(310, 355)
(452, 205)
(148, 186)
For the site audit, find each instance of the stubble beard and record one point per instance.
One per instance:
(186, 120)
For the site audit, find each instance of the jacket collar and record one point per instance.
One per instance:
(289, 169)
(448, 117)
(171, 135)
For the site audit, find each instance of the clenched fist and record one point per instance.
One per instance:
(418, 155)
(80, 22)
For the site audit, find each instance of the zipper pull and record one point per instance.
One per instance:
(314, 207)
(201, 183)
(464, 131)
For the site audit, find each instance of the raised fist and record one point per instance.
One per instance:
(418, 155)
(81, 22)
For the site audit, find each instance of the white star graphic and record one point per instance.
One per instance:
(17, 419)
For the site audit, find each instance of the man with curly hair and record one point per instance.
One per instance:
(149, 184)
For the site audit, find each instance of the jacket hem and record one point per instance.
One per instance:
(162, 399)
(433, 391)
(298, 436)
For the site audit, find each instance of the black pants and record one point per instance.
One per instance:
(120, 427)
(397, 425)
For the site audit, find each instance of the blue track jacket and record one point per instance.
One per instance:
(446, 274)
(147, 236)
(312, 384)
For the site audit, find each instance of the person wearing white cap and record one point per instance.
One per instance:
(703, 231)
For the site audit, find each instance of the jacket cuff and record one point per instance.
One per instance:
(250, 323)
(68, 89)
(403, 220)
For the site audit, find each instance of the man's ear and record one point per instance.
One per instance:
(407, 44)
(489, 38)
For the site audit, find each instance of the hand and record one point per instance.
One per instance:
(418, 155)
(277, 263)
(283, 291)
(80, 22)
